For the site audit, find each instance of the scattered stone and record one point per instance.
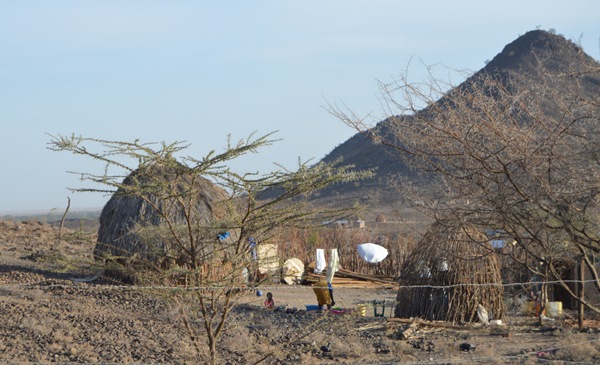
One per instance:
(467, 347)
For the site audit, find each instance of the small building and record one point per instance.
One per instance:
(359, 223)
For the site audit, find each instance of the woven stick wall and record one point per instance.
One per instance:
(461, 261)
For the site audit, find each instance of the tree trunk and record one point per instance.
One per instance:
(62, 221)
(212, 345)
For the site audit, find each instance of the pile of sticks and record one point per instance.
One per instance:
(347, 278)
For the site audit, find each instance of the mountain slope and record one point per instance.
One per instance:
(517, 67)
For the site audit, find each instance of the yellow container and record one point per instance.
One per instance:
(361, 309)
(554, 309)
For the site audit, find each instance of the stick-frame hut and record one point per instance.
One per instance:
(449, 273)
(128, 210)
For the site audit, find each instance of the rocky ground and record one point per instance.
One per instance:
(47, 315)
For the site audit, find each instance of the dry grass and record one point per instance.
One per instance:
(347, 350)
(302, 244)
(579, 348)
(36, 326)
(238, 342)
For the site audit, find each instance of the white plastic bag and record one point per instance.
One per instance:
(482, 314)
(292, 271)
(371, 252)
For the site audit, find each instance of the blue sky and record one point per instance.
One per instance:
(198, 71)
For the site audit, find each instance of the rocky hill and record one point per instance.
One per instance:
(517, 66)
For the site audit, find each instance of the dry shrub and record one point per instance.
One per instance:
(86, 352)
(306, 358)
(171, 313)
(488, 352)
(532, 361)
(185, 350)
(34, 295)
(170, 340)
(349, 349)
(258, 350)
(54, 348)
(237, 341)
(401, 347)
(35, 326)
(319, 338)
(62, 337)
(579, 350)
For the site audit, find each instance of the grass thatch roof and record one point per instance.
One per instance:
(137, 203)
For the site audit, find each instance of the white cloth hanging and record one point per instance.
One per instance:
(321, 264)
(333, 265)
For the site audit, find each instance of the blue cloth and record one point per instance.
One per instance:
(252, 244)
(223, 236)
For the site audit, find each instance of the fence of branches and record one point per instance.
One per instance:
(303, 244)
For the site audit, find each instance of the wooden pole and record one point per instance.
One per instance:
(581, 293)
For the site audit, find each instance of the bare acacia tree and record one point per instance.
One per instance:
(204, 270)
(516, 151)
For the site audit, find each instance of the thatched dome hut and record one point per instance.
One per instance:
(144, 198)
(449, 273)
